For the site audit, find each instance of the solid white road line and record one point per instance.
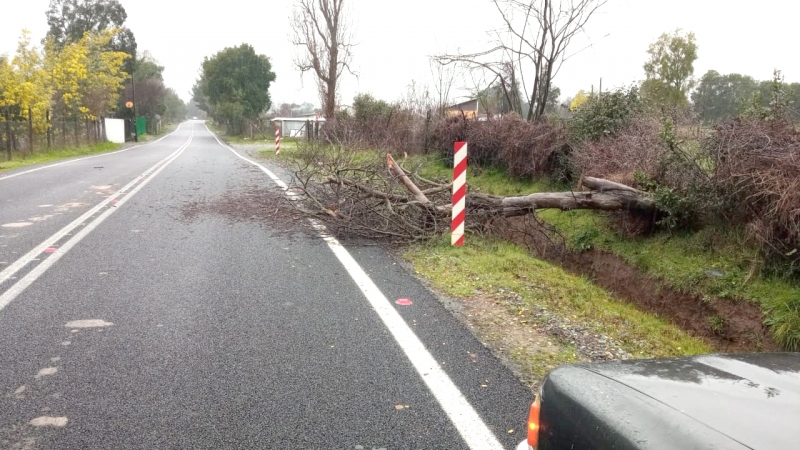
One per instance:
(9, 295)
(8, 177)
(458, 409)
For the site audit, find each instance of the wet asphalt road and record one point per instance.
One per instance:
(203, 327)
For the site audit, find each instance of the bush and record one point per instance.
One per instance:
(378, 124)
(757, 178)
(602, 115)
(522, 149)
(636, 148)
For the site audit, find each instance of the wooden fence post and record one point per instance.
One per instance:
(30, 131)
(8, 134)
(47, 115)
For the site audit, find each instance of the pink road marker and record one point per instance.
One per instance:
(50, 250)
(404, 302)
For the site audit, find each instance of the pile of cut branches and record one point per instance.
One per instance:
(372, 195)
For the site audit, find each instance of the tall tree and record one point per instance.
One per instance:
(174, 108)
(530, 48)
(720, 97)
(322, 32)
(670, 68)
(69, 20)
(148, 68)
(235, 83)
(31, 88)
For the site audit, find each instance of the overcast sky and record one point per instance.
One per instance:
(395, 39)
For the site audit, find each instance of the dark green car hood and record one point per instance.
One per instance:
(753, 398)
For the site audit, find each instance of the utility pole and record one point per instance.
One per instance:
(135, 122)
(133, 88)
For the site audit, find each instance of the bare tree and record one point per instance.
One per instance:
(322, 31)
(443, 80)
(533, 41)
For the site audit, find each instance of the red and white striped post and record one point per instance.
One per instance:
(459, 193)
(277, 140)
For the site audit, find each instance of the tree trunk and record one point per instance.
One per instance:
(30, 131)
(565, 201)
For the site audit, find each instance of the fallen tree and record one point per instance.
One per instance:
(380, 198)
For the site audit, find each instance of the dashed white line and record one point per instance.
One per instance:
(469, 424)
(123, 195)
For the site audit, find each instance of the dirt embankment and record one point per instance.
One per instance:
(729, 325)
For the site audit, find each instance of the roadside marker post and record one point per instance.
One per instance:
(459, 193)
(277, 141)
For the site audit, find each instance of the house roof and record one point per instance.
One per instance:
(297, 119)
(471, 105)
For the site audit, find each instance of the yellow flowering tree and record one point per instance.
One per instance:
(101, 88)
(8, 86)
(31, 88)
(68, 68)
(580, 99)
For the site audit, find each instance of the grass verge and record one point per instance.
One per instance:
(712, 261)
(58, 154)
(488, 266)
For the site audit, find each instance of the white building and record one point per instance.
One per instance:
(295, 126)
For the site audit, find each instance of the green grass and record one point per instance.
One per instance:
(487, 265)
(538, 364)
(288, 149)
(684, 261)
(57, 154)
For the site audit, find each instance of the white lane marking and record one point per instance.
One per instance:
(8, 177)
(17, 225)
(46, 372)
(42, 267)
(20, 390)
(47, 421)
(467, 421)
(88, 323)
(9, 271)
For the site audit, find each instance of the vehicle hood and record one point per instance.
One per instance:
(752, 398)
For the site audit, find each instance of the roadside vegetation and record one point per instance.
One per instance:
(687, 187)
(55, 96)
(58, 154)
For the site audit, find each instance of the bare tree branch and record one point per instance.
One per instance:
(536, 33)
(322, 32)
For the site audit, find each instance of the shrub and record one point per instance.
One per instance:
(757, 177)
(522, 149)
(378, 124)
(604, 114)
(636, 148)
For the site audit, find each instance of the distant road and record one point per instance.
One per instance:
(154, 298)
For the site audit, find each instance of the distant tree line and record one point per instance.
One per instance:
(82, 70)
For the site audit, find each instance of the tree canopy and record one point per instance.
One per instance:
(670, 68)
(70, 20)
(234, 86)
